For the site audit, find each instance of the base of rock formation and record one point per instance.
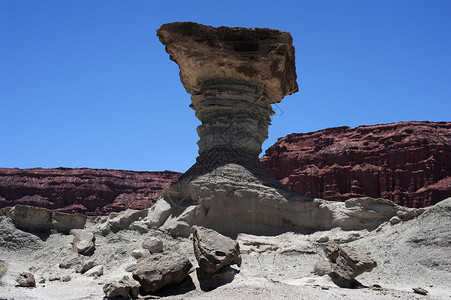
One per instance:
(410, 254)
(232, 198)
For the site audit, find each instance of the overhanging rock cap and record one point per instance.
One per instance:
(258, 55)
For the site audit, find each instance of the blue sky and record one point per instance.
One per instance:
(88, 84)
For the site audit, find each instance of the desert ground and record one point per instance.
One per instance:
(409, 254)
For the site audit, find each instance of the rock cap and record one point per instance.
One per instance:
(205, 53)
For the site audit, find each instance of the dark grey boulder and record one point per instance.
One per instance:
(214, 251)
(161, 269)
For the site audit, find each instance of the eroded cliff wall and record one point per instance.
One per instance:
(87, 191)
(406, 162)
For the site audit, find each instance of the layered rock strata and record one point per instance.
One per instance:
(406, 162)
(87, 191)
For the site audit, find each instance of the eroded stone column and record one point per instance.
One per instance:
(233, 76)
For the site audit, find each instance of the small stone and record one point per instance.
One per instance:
(395, 220)
(139, 253)
(324, 288)
(70, 261)
(66, 278)
(95, 271)
(323, 239)
(153, 245)
(84, 242)
(87, 265)
(54, 278)
(130, 268)
(124, 288)
(26, 279)
(377, 286)
(420, 291)
(42, 280)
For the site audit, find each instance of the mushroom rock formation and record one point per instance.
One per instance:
(233, 75)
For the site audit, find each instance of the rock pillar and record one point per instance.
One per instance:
(233, 76)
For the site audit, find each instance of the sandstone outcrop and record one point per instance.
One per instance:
(87, 191)
(36, 219)
(161, 269)
(407, 162)
(214, 251)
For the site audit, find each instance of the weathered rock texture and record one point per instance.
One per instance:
(87, 191)
(348, 262)
(214, 251)
(26, 279)
(84, 242)
(161, 269)
(407, 162)
(125, 288)
(39, 219)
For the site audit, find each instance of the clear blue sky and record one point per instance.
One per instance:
(88, 84)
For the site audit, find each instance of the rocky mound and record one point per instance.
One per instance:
(87, 191)
(407, 162)
(400, 258)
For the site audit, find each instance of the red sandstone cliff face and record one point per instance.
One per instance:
(407, 162)
(87, 191)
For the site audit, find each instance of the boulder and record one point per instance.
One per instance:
(161, 269)
(214, 251)
(84, 242)
(124, 288)
(125, 218)
(348, 262)
(26, 279)
(31, 218)
(139, 253)
(153, 245)
(158, 214)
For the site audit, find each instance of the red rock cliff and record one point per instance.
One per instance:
(88, 191)
(407, 162)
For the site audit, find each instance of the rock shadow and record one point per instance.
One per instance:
(185, 286)
(346, 283)
(209, 282)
